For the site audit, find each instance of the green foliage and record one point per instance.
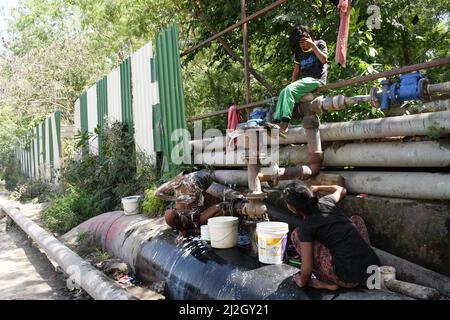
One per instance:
(152, 206)
(435, 131)
(399, 42)
(73, 207)
(96, 184)
(119, 171)
(351, 113)
(11, 174)
(57, 48)
(101, 255)
(33, 189)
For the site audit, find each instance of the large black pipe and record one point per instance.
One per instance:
(193, 270)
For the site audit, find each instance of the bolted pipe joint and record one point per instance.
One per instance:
(254, 209)
(295, 173)
(311, 122)
(315, 162)
(333, 103)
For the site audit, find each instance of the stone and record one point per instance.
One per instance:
(144, 293)
(115, 268)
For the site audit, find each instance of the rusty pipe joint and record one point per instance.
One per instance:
(315, 162)
(273, 175)
(254, 209)
(311, 121)
(333, 103)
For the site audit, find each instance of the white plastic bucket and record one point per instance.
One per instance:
(131, 205)
(204, 232)
(223, 232)
(272, 240)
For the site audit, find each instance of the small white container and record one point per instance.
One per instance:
(131, 205)
(204, 232)
(223, 232)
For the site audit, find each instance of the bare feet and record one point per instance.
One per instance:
(297, 280)
(284, 126)
(315, 283)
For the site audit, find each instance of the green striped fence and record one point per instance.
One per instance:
(39, 151)
(131, 94)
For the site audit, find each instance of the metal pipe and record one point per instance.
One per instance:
(223, 192)
(432, 186)
(376, 154)
(234, 26)
(406, 185)
(409, 125)
(325, 104)
(439, 87)
(311, 124)
(218, 113)
(409, 271)
(254, 183)
(194, 270)
(437, 105)
(94, 282)
(389, 154)
(248, 92)
(384, 74)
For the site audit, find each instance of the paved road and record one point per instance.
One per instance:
(25, 272)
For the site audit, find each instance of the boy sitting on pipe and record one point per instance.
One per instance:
(310, 72)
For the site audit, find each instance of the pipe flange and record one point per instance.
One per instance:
(374, 98)
(272, 172)
(316, 157)
(256, 196)
(274, 181)
(423, 90)
(338, 102)
(311, 122)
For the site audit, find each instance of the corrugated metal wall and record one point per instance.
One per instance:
(171, 93)
(39, 152)
(145, 95)
(92, 118)
(102, 106)
(114, 96)
(145, 92)
(127, 94)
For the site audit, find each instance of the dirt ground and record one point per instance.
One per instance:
(25, 271)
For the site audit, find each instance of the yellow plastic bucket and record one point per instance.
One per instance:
(272, 240)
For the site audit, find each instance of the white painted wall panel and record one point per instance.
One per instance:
(92, 118)
(77, 121)
(48, 168)
(114, 96)
(36, 153)
(56, 151)
(143, 97)
(41, 152)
